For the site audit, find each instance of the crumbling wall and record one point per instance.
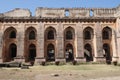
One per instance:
(49, 12)
(18, 13)
(79, 12)
(104, 12)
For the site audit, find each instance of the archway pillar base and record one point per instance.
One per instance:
(1, 60)
(118, 60)
(60, 60)
(19, 59)
(99, 59)
(39, 60)
(115, 59)
(80, 59)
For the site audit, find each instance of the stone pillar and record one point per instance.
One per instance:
(98, 44)
(79, 44)
(1, 42)
(20, 43)
(60, 56)
(118, 38)
(115, 55)
(40, 44)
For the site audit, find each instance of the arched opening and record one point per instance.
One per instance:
(107, 53)
(50, 52)
(9, 50)
(69, 33)
(50, 34)
(106, 33)
(88, 33)
(32, 52)
(31, 35)
(88, 52)
(69, 53)
(12, 34)
(12, 51)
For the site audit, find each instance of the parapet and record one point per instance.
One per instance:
(64, 13)
(18, 13)
(77, 12)
(49, 12)
(61, 12)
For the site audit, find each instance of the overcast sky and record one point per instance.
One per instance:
(7, 5)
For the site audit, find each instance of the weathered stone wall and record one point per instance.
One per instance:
(60, 26)
(77, 12)
(18, 13)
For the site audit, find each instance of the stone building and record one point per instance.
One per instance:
(60, 34)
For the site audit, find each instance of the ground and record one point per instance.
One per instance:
(63, 72)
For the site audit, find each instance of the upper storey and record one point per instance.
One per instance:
(77, 12)
(64, 12)
(17, 13)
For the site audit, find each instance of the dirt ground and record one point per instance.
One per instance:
(63, 72)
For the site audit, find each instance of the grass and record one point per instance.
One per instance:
(78, 67)
(73, 72)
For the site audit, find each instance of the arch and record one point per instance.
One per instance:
(10, 33)
(12, 51)
(69, 33)
(107, 54)
(50, 52)
(88, 52)
(88, 33)
(69, 52)
(30, 33)
(32, 52)
(106, 33)
(50, 33)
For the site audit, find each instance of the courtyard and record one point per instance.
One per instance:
(63, 72)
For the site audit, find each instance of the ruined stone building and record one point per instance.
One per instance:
(60, 34)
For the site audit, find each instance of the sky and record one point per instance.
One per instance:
(7, 5)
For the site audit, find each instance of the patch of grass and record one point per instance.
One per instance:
(78, 67)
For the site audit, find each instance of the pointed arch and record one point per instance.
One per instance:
(50, 33)
(10, 33)
(88, 33)
(106, 49)
(69, 52)
(106, 33)
(50, 52)
(12, 51)
(32, 52)
(30, 33)
(88, 52)
(69, 33)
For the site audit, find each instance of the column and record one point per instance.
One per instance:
(60, 56)
(20, 43)
(40, 43)
(118, 38)
(97, 43)
(115, 55)
(79, 43)
(1, 42)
